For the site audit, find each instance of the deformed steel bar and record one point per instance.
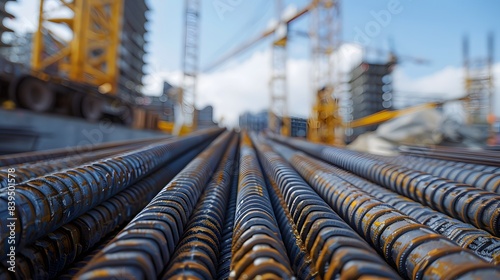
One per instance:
(83, 260)
(469, 204)
(44, 204)
(196, 255)
(491, 158)
(225, 255)
(19, 158)
(49, 255)
(441, 162)
(336, 250)
(299, 258)
(145, 246)
(27, 171)
(258, 248)
(414, 249)
(455, 171)
(481, 242)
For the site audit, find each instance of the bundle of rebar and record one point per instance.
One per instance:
(221, 205)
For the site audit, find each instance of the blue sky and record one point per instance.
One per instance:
(428, 29)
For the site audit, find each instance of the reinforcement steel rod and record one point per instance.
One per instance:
(481, 242)
(471, 205)
(225, 255)
(27, 171)
(456, 171)
(49, 255)
(27, 157)
(196, 255)
(337, 251)
(145, 246)
(414, 249)
(258, 248)
(46, 203)
(491, 158)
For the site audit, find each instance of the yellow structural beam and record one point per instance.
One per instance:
(386, 115)
(91, 55)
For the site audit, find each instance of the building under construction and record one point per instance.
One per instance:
(148, 195)
(370, 93)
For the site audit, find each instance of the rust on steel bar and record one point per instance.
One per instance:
(471, 205)
(258, 248)
(196, 255)
(49, 255)
(300, 259)
(336, 250)
(224, 261)
(481, 242)
(145, 246)
(46, 203)
(76, 266)
(20, 158)
(479, 176)
(414, 249)
(27, 171)
(441, 162)
(491, 158)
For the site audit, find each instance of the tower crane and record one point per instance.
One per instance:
(187, 96)
(324, 33)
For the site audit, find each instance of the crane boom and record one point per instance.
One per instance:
(250, 43)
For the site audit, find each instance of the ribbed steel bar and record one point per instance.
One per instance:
(456, 171)
(258, 248)
(481, 242)
(471, 205)
(197, 253)
(337, 251)
(46, 203)
(491, 158)
(27, 171)
(441, 162)
(224, 262)
(299, 258)
(49, 255)
(76, 266)
(414, 249)
(145, 246)
(20, 158)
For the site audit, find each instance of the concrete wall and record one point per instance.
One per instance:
(60, 131)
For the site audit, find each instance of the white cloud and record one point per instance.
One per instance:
(26, 13)
(240, 87)
(244, 87)
(289, 12)
(447, 83)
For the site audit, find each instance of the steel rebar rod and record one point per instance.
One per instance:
(49, 255)
(258, 248)
(196, 255)
(337, 251)
(414, 249)
(471, 205)
(145, 246)
(44, 204)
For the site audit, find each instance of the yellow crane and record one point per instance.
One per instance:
(89, 57)
(80, 62)
(324, 34)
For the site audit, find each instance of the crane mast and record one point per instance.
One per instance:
(279, 121)
(325, 29)
(90, 56)
(187, 96)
